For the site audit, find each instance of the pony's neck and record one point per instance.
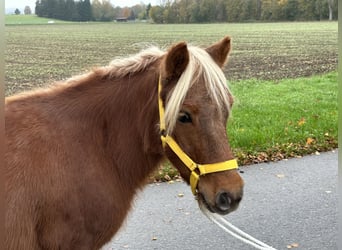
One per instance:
(120, 116)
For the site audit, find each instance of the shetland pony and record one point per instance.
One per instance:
(78, 151)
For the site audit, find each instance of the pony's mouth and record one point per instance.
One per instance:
(202, 202)
(204, 205)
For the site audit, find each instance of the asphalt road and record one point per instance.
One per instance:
(288, 202)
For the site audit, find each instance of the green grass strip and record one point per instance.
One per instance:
(273, 120)
(31, 19)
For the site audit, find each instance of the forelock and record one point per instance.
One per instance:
(200, 64)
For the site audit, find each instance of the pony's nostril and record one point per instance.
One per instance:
(223, 201)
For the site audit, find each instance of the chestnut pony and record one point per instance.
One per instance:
(78, 151)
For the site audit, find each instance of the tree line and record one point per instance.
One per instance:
(206, 11)
(191, 11)
(64, 9)
(81, 10)
(27, 11)
(86, 10)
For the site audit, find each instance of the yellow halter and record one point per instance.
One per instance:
(202, 168)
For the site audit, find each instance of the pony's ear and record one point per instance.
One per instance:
(177, 58)
(219, 51)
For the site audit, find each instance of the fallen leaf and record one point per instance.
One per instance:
(154, 238)
(309, 141)
(293, 245)
(301, 121)
(280, 175)
(180, 195)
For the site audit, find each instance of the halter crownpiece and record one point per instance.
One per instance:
(191, 165)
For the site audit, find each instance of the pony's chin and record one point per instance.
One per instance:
(203, 204)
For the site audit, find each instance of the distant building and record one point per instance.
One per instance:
(121, 19)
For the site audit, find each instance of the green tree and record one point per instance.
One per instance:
(156, 14)
(60, 10)
(306, 10)
(148, 8)
(335, 9)
(103, 11)
(258, 5)
(27, 10)
(39, 8)
(198, 11)
(291, 10)
(221, 11)
(84, 10)
(71, 12)
(51, 8)
(117, 12)
(194, 12)
(17, 11)
(139, 11)
(171, 12)
(247, 9)
(234, 8)
(207, 11)
(320, 9)
(184, 11)
(266, 10)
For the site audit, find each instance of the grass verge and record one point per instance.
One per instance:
(274, 120)
(30, 19)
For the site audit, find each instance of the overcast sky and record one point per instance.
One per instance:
(20, 4)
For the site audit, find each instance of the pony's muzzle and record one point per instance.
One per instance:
(226, 203)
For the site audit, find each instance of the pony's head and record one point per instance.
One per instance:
(197, 102)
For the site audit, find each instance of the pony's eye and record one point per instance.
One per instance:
(184, 117)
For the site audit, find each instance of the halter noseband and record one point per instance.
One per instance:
(192, 166)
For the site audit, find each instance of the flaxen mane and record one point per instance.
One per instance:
(122, 67)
